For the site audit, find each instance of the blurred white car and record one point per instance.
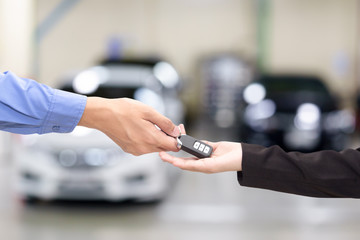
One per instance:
(86, 164)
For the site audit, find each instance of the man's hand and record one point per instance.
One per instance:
(130, 124)
(226, 156)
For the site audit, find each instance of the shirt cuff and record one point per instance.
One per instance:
(65, 112)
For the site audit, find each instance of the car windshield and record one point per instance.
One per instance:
(289, 92)
(108, 92)
(287, 84)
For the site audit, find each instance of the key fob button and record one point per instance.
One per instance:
(206, 150)
(201, 148)
(196, 145)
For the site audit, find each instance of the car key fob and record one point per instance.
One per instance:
(193, 146)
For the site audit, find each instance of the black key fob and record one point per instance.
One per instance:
(193, 146)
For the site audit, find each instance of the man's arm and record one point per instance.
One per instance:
(28, 107)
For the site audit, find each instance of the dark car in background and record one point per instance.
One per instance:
(296, 112)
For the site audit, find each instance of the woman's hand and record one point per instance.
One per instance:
(226, 156)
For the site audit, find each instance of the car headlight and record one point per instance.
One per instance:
(166, 74)
(95, 157)
(88, 81)
(254, 93)
(67, 158)
(340, 121)
(307, 117)
(257, 115)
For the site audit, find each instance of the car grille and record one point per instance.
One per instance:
(89, 158)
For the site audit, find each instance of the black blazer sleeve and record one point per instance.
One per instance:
(320, 174)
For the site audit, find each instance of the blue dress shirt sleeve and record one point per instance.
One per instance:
(27, 107)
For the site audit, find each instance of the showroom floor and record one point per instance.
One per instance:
(199, 207)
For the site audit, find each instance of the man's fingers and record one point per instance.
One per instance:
(182, 128)
(164, 123)
(164, 142)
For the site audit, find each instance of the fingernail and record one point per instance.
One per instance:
(176, 131)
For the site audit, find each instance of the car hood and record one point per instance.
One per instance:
(80, 138)
(289, 102)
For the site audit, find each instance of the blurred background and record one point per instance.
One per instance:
(267, 72)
